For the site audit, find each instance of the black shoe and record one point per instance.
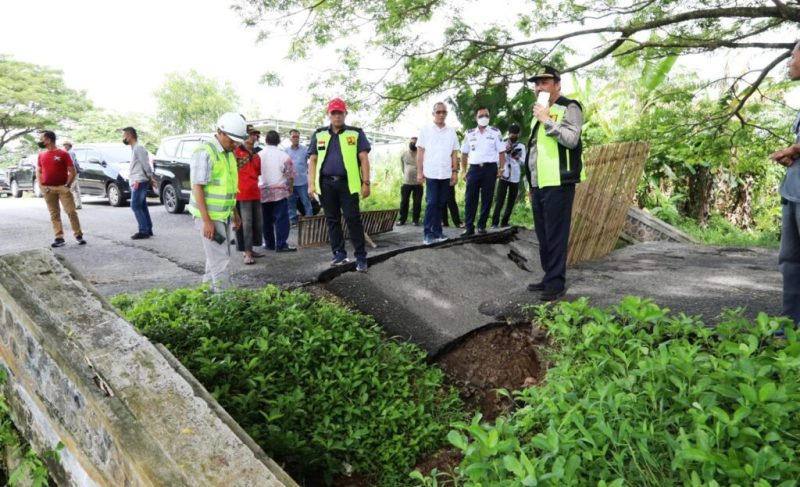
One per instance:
(416, 224)
(481, 231)
(59, 242)
(400, 224)
(286, 249)
(553, 295)
(139, 236)
(468, 233)
(536, 286)
(445, 224)
(80, 240)
(150, 234)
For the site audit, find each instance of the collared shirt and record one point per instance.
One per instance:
(439, 145)
(276, 171)
(140, 164)
(409, 163)
(567, 133)
(513, 167)
(300, 160)
(790, 187)
(483, 146)
(200, 167)
(74, 160)
(333, 165)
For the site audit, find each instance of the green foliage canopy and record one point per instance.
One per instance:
(192, 102)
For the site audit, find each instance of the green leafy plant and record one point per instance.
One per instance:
(315, 384)
(642, 398)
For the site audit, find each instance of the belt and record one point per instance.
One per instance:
(482, 164)
(334, 178)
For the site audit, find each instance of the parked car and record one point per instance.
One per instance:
(5, 185)
(22, 177)
(104, 170)
(171, 166)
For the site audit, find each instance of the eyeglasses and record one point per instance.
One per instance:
(440, 112)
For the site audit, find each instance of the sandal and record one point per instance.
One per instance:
(248, 260)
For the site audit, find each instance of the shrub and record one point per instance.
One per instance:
(315, 384)
(641, 398)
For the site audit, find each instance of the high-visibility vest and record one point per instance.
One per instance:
(555, 163)
(220, 192)
(348, 141)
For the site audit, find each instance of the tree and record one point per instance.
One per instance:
(192, 103)
(100, 126)
(487, 54)
(34, 97)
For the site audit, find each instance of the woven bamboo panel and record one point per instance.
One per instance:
(601, 202)
(313, 230)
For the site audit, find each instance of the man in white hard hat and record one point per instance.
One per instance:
(215, 181)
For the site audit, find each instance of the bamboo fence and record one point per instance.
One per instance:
(601, 202)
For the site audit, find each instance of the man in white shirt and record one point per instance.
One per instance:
(437, 166)
(485, 152)
(277, 184)
(509, 181)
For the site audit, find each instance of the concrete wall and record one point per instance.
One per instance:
(80, 375)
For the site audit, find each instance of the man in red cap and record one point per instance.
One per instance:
(340, 177)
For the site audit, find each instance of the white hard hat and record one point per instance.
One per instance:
(233, 125)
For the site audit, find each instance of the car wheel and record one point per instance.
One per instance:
(169, 195)
(15, 191)
(37, 191)
(115, 197)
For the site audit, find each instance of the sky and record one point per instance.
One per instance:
(119, 52)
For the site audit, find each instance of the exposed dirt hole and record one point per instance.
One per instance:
(496, 357)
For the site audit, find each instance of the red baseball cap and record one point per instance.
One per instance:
(337, 105)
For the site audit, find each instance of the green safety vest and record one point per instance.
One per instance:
(556, 164)
(348, 141)
(221, 189)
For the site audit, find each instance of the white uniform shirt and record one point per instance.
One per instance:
(439, 145)
(513, 167)
(483, 146)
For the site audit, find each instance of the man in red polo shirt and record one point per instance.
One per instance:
(55, 173)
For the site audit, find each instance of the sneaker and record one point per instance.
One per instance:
(535, 286)
(494, 227)
(441, 238)
(286, 249)
(553, 295)
(80, 240)
(416, 224)
(468, 233)
(339, 259)
(59, 242)
(505, 226)
(400, 224)
(428, 241)
(481, 231)
(361, 264)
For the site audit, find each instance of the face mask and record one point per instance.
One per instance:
(125, 141)
(41, 145)
(483, 121)
(412, 146)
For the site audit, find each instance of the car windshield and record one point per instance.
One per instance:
(116, 154)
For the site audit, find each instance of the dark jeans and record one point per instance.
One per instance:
(789, 260)
(435, 206)
(249, 233)
(275, 216)
(452, 205)
(337, 200)
(300, 193)
(405, 193)
(552, 212)
(480, 181)
(139, 207)
(503, 188)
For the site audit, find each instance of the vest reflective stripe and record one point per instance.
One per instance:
(555, 164)
(220, 192)
(348, 141)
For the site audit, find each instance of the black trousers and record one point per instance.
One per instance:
(452, 206)
(552, 213)
(406, 192)
(504, 188)
(336, 201)
(480, 182)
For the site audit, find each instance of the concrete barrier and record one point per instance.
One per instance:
(81, 375)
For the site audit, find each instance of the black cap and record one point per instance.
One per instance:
(547, 72)
(251, 130)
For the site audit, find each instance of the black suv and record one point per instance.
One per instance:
(22, 177)
(171, 166)
(104, 171)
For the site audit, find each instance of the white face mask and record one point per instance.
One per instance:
(483, 121)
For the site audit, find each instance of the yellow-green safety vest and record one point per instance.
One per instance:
(222, 188)
(556, 164)
(348, 141)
